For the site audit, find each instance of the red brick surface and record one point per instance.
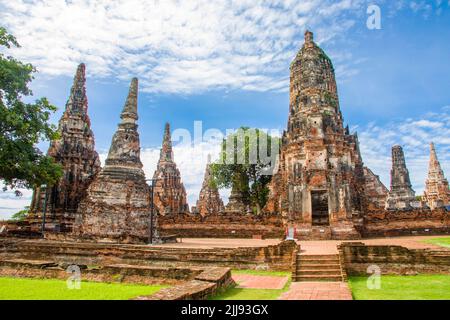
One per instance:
(259, 282)
(317, 291)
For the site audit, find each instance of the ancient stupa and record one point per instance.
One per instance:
(437, 192)
(209, 201)
(169, 192)
(75, 152)
(318, 186)
(117, 205)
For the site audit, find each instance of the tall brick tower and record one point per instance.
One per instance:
(318, 187)
(169, 192)
(437, 193)
(401, 195)
(75, 151)
(209, 201)
(117, 205)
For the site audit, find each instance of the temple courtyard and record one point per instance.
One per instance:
(414, 267)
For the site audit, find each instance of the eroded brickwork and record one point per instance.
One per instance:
(320, 179)
(437, 193)
(75, 151)
(169, 192)
(375, 191)
(209, 201)
(401, 195)
(117, 205)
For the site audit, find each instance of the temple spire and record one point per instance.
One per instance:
(166, 150)
(77, 102)
(125, 145)
(129, 112)
(437, 192)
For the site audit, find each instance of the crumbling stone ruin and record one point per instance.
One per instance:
(321, 190)
(75, 151)
(209, 201)
(401, 195)
(117, 205)
(169, 192)
(437, 192)
(318, 187)
(374, 189)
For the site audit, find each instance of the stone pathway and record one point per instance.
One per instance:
(317, 291)
(248, 281)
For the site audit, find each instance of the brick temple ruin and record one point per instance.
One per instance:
(322, 190)
(75, 152)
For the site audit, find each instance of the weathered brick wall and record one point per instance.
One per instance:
(207, 284)
(275, 257)
(383, 223)
(358, 258)
(222, 226)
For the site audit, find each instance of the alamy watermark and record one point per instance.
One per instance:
(374, 19)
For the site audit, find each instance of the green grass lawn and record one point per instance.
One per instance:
(255, 294)
(420, 287)
(443, 242)
(50, 289)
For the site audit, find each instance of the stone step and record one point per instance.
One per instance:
(319, 266)
(311, 278)
(318, 261)
(317, 256)
(334, 272)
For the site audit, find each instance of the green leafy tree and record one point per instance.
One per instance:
(246, 163)
(23, 125)
(21, 215)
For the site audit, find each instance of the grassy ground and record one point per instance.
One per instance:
(49, 289)
(443, 242)
(420, 287)
(255, 294)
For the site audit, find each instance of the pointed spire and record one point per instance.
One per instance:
(129, 113)
(166, 150)
(125, 145)
(77, 102)
(309, 36)
(435, 171)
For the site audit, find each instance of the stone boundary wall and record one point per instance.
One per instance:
(273, 257)
(187, 284)
(110, 273)
(384, 223)
(396, 260)
(222, 226)
(207, 284)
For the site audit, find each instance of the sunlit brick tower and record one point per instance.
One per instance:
(319, 184)
(401, 195)
(437, 193)
(75, 152)
(209, 201)
(117, 204)
(169, 192)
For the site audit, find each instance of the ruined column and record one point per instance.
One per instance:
(75, 151)
(117, 205)
(209, 201)
(437, 193)
(169, 192)
(401, 195)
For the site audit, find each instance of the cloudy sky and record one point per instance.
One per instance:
(226, 63)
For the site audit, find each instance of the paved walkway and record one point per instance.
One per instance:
(312, 247)
(248, 281)
(317, 291)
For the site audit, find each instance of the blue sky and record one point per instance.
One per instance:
(226, 63)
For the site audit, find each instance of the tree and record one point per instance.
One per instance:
(23, 125)
(246, 163)
(21, 215)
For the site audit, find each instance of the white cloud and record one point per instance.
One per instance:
(175, 46)
(414, 135)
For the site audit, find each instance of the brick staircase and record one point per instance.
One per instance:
(320, 267)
